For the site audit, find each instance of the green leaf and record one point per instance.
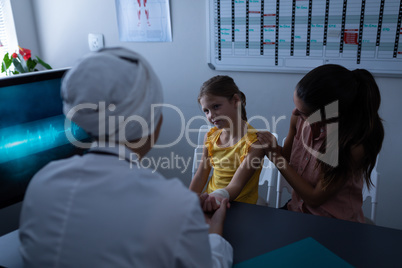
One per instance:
(44, 64)
(31, 64)
(3, 67)
(5, 57)
(6, 61)
(18, 66)
(23, 64)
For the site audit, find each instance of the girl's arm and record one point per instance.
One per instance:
(244, 172)
(247, 168)
(201, 176)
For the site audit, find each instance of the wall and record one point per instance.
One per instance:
(25, 26)
(63, 27)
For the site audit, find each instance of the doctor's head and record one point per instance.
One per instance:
(115, 96)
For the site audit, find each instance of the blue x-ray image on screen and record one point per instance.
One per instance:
(32, 130)
(34, 137)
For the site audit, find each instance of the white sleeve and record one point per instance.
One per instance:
(222, 251)
(195, 248)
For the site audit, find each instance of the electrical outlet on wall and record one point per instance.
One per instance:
(95, 41)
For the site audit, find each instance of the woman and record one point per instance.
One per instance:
(334, 138)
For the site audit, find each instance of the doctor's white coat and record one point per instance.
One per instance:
(99, 210)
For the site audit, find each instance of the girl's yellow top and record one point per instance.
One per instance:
(226, 160)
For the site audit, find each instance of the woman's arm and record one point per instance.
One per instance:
(195, 247)
(201, 176)
(270, 144)
(313, 196)
(287, 147)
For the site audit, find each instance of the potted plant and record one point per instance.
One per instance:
(21, 62)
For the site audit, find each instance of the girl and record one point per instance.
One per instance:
(229, 146)
(328, 160)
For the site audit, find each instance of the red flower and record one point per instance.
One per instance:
(26, 53)
(14, 55)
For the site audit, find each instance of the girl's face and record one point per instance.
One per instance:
(301, 108)
(220, 111)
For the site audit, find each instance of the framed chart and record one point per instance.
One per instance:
(298, 35)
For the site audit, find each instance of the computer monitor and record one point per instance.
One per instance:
(32, 130)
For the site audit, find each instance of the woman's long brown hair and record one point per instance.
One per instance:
(359, 100)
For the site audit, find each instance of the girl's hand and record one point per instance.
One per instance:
(216, 219)
(269, 144)
(211, 203)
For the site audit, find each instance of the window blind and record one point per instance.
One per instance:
(8, 37)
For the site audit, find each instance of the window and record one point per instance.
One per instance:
(8, 36)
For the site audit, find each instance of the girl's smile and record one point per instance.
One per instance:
(220, 111)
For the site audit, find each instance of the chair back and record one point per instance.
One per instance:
(281, 184)
(198, 150)
(372, 193)
(268, 174)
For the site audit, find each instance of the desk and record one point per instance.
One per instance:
(254, 230)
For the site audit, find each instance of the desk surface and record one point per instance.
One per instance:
(254, 230)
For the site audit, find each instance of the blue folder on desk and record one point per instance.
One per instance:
(304, 253)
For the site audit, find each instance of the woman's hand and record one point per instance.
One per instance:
(216, 218)
(269, 144)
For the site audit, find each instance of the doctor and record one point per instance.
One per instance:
(103, 209)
